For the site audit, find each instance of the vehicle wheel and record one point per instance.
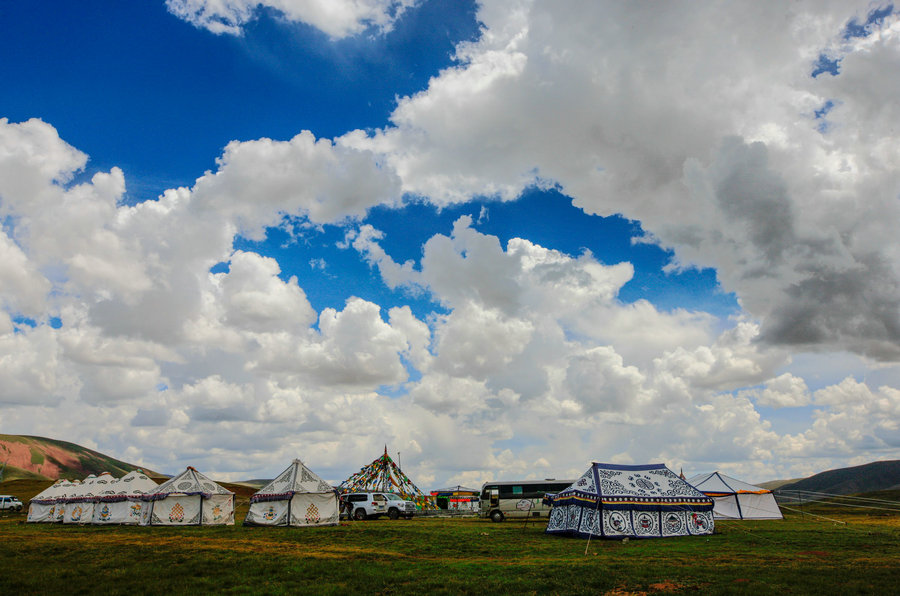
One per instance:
(393, 513)
(359, 514)
(496, 517)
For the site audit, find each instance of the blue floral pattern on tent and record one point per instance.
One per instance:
(645, 501)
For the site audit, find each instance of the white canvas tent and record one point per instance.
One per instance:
(645, 501)
(735, 499)
(297, 497)
(122, 501)
(42, 507)
(66, 490)
(80, 503)
(189, 499)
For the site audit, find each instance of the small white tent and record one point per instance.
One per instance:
(735, 499)
(122, 501)
(645, 501)
(189, 499)
(297, 497)
(66, 489)
(71, 505)
(42, 507)
(80, 503)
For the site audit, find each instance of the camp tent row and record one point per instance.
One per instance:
(190, 498)
(96, 499)
(735, 499)
(297, 497)
(606, 501)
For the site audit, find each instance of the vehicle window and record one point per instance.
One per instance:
(525, 490)
(357, 498)
(378, 498)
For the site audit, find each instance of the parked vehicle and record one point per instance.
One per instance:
(375, 504)
(518, 498)
(10, 503)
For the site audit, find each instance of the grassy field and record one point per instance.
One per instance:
(800, 555)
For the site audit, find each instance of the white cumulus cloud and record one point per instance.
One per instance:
(336, 18)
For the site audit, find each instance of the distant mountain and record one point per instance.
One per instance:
(39, 458)
(879, 475)
(256, 483)
(775, 484)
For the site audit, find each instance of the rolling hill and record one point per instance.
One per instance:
(776, 484)
(39, 458)
(875, 476)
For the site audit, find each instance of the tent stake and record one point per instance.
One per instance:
(590, 530)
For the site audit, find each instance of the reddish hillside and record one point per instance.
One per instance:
(39, 457)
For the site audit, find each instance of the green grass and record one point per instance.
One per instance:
(454, 556)
(37, 458)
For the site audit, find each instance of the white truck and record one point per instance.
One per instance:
(375, 504)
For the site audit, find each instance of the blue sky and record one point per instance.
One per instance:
(175, 96)
(498, 215)
(160, 99)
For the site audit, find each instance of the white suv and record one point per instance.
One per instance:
(10, 503)
(374, 505)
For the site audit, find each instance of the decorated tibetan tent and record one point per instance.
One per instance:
(66, 489)
(72, 508)
(297, 497)
(646, 501)
(80, 504)
(383, 475)
(42, 507)
(122, 501)
(189, 499)
(735, 499)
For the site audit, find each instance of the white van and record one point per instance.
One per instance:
(10, 503)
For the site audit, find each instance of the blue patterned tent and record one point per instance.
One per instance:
(646, 501)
